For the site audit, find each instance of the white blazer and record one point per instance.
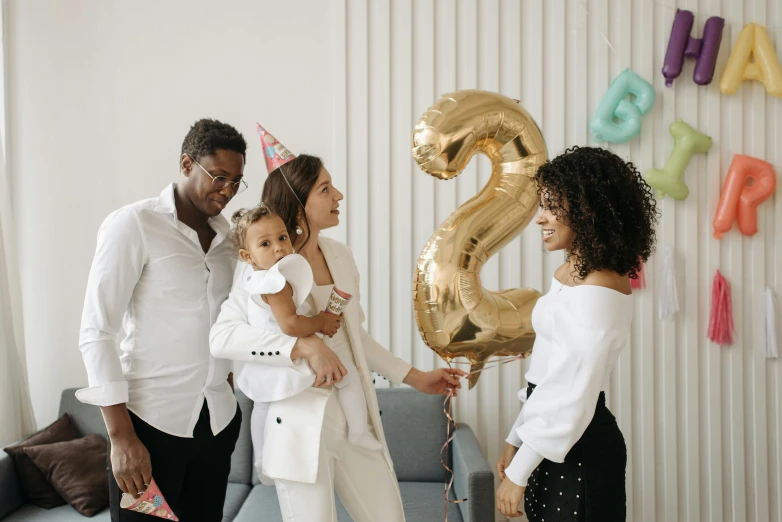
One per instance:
(294, 424)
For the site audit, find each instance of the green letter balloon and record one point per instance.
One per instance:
(670, 179)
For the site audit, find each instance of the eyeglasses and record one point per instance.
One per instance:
(220, 182)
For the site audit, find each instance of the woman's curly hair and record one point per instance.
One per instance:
(606, 203)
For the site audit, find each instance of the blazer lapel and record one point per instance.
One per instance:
(344, 280)
(333, 262)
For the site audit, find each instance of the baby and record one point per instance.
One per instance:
(278, 288)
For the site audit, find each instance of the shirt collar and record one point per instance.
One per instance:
(165, 202)
(167, 205)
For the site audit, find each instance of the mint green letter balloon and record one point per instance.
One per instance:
(618, 119)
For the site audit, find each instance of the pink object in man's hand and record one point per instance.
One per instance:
(151, 502)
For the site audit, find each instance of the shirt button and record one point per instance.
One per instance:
(276, 353)
(252, 353)
(279, 420)
(270, 353)
(260, 353)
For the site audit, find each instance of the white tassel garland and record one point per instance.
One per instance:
(669, 292)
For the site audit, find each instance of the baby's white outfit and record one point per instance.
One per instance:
(264, 384)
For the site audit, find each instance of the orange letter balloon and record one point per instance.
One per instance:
(749, 183)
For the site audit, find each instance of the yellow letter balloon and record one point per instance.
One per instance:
(753, 58)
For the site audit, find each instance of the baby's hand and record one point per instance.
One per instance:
(331, 323)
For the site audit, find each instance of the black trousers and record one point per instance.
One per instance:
(192, 474)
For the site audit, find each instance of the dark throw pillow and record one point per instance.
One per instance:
(38, 490)
(77, 470)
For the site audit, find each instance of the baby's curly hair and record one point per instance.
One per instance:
(242, 219)
(607, 204)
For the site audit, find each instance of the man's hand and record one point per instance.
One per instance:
(131, 465)
(130, 460)
(509, 496)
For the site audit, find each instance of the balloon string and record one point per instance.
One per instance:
(447, 405)
(449, 436)
(499, 362)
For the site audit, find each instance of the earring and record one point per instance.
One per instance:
(299, 231)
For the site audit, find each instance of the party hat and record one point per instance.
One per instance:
(275, 152)
(151, 502)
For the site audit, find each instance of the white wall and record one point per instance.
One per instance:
(102, 94)
(101, 97)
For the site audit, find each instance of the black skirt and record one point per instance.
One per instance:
(590, 485)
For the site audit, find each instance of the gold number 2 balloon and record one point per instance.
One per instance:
(456, 316)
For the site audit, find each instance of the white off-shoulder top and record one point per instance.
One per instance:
(580, 332)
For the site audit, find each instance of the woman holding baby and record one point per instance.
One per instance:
(316, 422)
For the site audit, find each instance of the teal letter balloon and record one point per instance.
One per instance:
(614, 106)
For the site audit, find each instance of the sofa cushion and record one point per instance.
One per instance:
(422, 501)
(34, 483)
(77, 470)
(414, 424)
(262, 499)
(242, 458)
(30, 513)
(234, 498)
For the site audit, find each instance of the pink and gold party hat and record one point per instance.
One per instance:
(275, 152)
(151, 502)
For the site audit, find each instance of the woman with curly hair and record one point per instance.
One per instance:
(566, 448)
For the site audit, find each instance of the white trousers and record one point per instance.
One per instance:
(361, 478)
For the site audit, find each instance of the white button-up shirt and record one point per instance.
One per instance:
(151, 277)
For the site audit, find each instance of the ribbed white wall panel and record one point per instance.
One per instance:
(702, 422)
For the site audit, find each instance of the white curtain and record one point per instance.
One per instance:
(16, 409)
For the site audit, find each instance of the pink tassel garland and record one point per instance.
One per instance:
(721, 318)
(639, 282)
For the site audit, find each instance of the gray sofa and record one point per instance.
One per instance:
(415, 429)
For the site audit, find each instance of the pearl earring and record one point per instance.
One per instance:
(299, 231)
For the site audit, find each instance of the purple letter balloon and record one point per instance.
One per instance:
(682, 45)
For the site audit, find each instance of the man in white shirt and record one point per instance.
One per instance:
(162, 269)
